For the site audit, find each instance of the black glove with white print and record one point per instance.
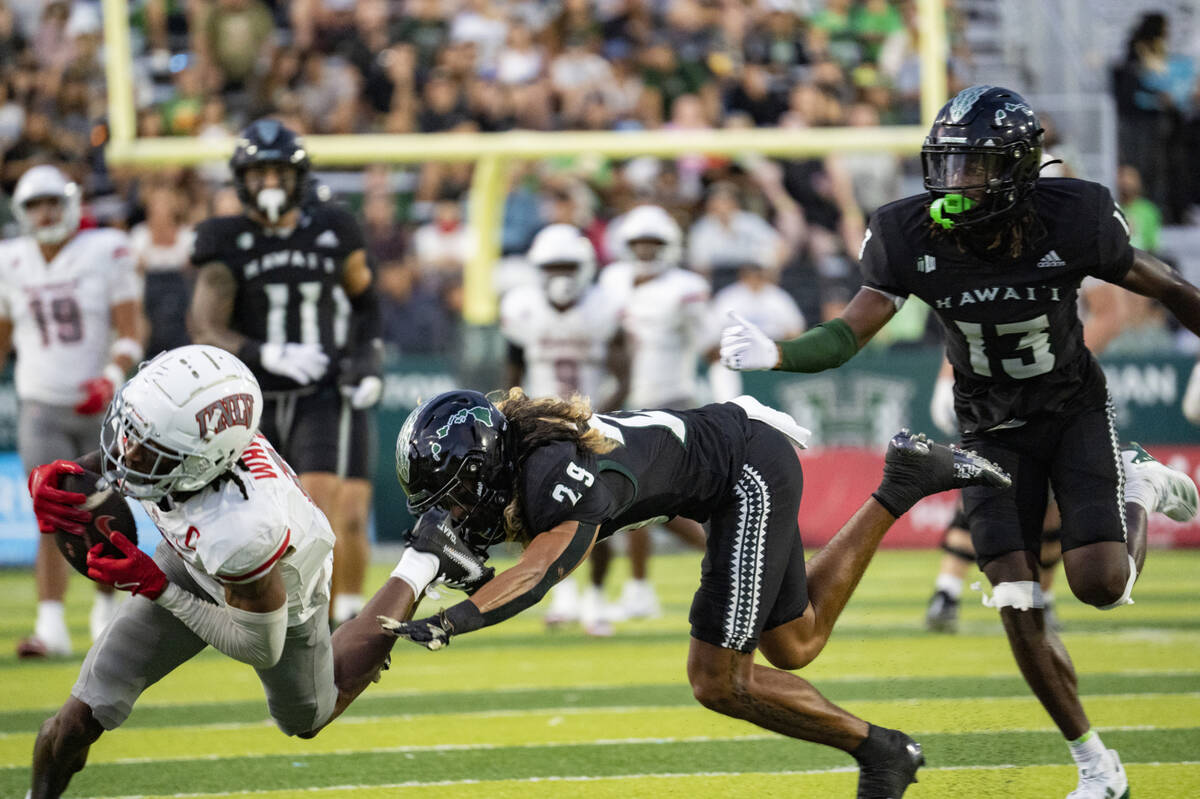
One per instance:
(459, 566)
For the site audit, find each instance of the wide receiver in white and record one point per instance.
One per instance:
(565, 338)
(244, 564)
(665, 320)
(71, 306)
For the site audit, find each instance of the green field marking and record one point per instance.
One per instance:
(607, 725)
(1159, 780)
(381, 703)
(756, 755)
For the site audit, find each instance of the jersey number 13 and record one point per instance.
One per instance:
(1032, 350)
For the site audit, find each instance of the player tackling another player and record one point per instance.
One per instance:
(244, 565)
(552, 476)
(999, 255)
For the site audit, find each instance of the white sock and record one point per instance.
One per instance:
(950, 584)
(1140, 491)
(1048, 597)
(51, 620)
(346, 607)
(1087, 749)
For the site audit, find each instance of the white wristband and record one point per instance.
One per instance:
(129, 347)
(417, 569)
(115, 375)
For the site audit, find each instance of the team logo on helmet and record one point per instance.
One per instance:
(964, 101)
(234, 410)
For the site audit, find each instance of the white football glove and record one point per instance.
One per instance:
(744, 347)
(364, 393)
(1191, 397)
(303, 363)
(941, 407)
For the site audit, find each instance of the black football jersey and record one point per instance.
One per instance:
(665, 464)
(288, 287)
(1013, 333)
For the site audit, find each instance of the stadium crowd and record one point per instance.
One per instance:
(207, 67)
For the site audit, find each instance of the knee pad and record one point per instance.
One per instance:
(1019, 595)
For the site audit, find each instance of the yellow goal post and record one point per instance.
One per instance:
(493, 152)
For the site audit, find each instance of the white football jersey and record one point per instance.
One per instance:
(565, 351)
(62, 324)
(665, 320)
(223, 537)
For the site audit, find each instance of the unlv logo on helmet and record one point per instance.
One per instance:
(231, 411)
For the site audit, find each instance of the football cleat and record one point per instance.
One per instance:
(888, 774)
(942, 614)
(34, 647)
(564, 603)
(1174, 493)
(1104, 779)
(639, 600)
(916, 467)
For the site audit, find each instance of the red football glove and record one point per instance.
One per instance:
(55, 508)
(136, 573)
(99, 394)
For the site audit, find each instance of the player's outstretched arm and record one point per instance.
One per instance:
(550, 557)
(211, 311)
(826, 346)
(1152, 278)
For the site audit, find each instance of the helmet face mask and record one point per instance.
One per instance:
(651, 240)
(47, 205)
(452, 453)
(183, 420)
(566, 263)
(981, 158)
(267, 147)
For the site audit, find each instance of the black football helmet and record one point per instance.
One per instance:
(267, 141)
(982, 156)
(453, 452)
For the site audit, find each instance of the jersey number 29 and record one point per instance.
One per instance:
(578, 474)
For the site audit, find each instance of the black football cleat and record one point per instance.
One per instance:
(887, 764)
(916, 467)
(942, 614)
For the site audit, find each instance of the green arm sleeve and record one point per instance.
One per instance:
(828, 345)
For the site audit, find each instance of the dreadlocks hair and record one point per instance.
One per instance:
(533, 423)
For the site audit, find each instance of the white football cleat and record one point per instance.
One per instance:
(1174, 493)
(596, 615)
(564, 603)
(639, 601)
(1105, 779)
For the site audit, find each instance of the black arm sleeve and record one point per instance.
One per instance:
(466, 616)
(365, 342)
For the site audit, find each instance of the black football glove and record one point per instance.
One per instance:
(460, 566)
(432, 632)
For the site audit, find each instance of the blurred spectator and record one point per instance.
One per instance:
(521, 60)
(1145, 220)
(1155, 91)
(874, 176)
(39, 143)
(416, 316)
(440, 246)
(424, 27)
(161, 248)
(480, 23)
(727, 238)
(755, 94)
(385, 239)
(234, 36)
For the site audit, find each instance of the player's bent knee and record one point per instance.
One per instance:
(74, 726)
(1103, 588)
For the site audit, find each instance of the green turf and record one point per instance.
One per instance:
(516, 712)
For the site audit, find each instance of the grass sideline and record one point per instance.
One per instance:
(515, 711)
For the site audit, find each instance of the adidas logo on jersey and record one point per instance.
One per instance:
(1051, 259)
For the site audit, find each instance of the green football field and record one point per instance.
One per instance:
(518, 712)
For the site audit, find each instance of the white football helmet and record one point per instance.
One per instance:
(651, 222)
(181, 421)
(46, 181)
(563, 244)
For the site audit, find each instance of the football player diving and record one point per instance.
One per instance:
(552, 476)
(244, 565)
(999, 255)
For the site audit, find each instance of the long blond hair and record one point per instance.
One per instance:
(534, 422)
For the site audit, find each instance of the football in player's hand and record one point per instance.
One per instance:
(110, 514)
